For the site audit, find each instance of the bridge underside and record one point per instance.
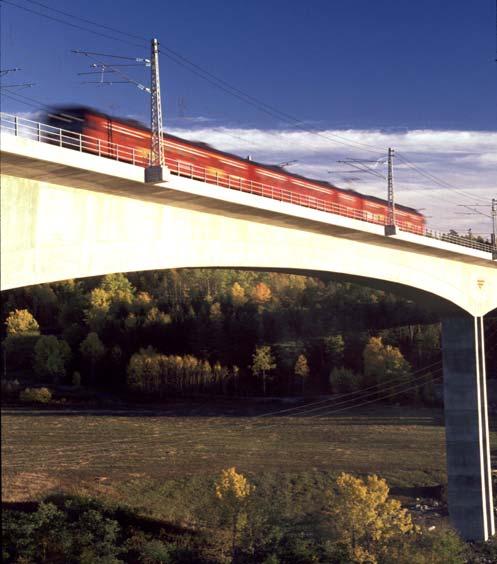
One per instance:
(55, 227)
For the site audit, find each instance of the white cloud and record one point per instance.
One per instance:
(457, 167)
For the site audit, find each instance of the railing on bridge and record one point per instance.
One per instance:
(37, 131)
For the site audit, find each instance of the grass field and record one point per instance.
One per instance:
(143, 459)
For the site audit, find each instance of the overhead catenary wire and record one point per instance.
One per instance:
(188, 438)
(214, 80)
(69, 23)
(186, 443)
(437, 180)
(109, 28)
(226, 86)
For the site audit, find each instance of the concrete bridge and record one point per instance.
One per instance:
(70, 214)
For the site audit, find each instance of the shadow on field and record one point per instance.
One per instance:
(379, 415)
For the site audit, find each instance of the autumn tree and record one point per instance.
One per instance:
(20, 322)
(92, 350)
(384, 363)
(262, 362)
(51, 357)
(301, 370)
(261, 293)
(237, 294)
(365, 518)
(233, 490)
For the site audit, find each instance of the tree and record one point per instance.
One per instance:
(365, 518)
(98, 310)
(334, 348)
(343, 380)
(118, 287)
(22, 330)
(301, 370)
(232, 490)
(384, 363)
(20, 322)
(261, 293)
(262, 362)
(51, 357)
(93, 350)
(237, 293)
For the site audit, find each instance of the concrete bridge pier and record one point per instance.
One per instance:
(466, 427)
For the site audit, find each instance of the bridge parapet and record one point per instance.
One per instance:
(43, 133)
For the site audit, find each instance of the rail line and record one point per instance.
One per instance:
(43, 133)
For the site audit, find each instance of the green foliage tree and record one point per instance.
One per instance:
(118, 288)
(334, 347)
(383, 363)
(51, 357)
(343, 380)
(263, 362)
(92, 350)
(22, 330)
(301, 370)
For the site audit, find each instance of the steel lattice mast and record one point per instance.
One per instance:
(494, 222)
(390, 228)
(157, 155)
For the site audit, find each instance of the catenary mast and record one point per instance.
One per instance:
(157, 171)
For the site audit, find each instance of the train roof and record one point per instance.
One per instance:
(77, 113)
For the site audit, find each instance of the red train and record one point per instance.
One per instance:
(129, 141)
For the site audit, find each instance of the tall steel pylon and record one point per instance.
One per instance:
(494, 222)
(157, 155)
(390, 228)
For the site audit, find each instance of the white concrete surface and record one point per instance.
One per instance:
(67, 214)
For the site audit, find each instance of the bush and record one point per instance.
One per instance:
(76, 379)
(10, 388)
(343, 380)
(36, 395)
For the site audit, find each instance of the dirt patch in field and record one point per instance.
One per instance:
(28, 486)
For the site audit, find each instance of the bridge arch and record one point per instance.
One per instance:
(70, 215)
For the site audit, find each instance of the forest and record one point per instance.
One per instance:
(219, 332)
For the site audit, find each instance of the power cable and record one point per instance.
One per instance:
(211, 78)
(438, 181)
(228, 88)
(115, 30)
(69, 23)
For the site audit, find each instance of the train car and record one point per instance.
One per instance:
(129, 141)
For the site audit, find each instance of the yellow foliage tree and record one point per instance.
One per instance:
(20, 322)
(237, 292)
(365, 517)
(301, 370)
(233, 489)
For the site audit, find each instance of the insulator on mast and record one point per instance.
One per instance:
(157, 171)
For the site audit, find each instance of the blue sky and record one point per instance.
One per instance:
(376, 72)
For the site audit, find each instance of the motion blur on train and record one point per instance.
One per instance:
(129, 141)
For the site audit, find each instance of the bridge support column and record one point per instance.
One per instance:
(466, 427)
